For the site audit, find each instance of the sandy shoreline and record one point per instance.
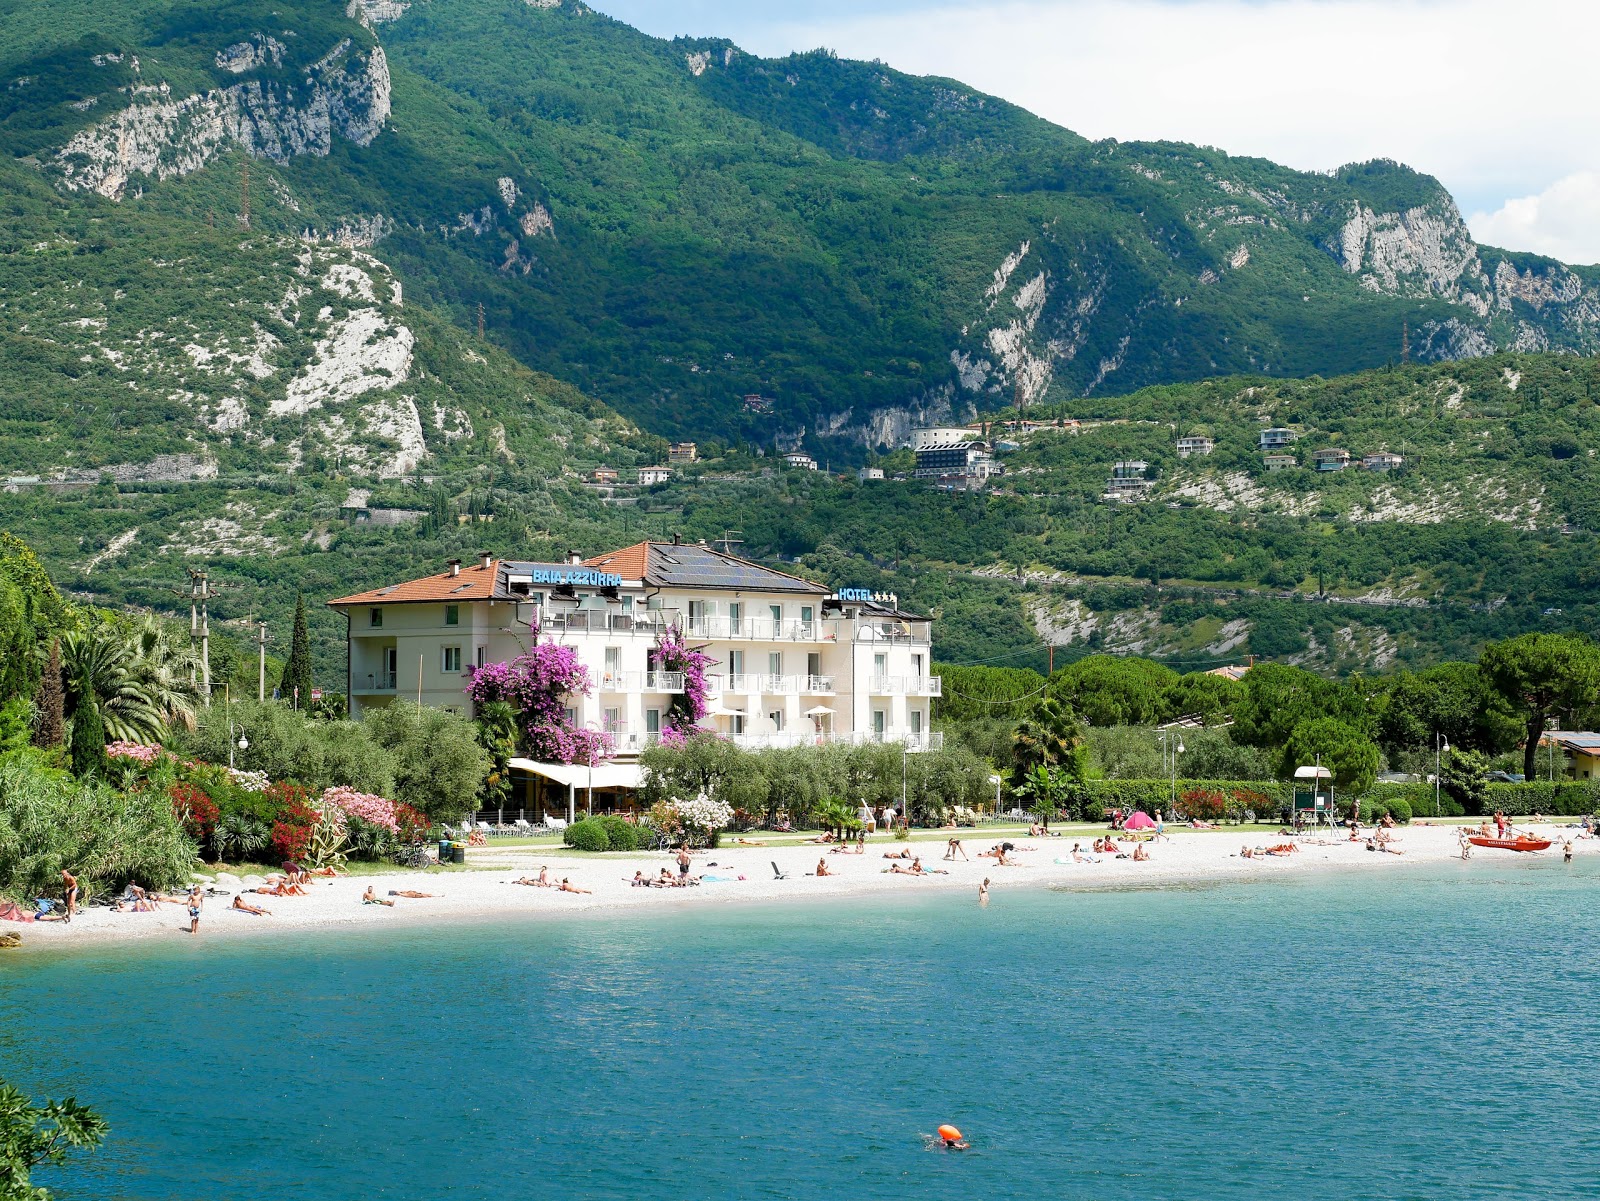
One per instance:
(1186, 858)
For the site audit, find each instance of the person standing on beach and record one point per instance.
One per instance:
(683, 864)
(195, 901)
(69, 884)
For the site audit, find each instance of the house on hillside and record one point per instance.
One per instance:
(682, 452)
(869, 474)
(1277, 437)
(799, 458)
(1129, 480)
(1278, 462)
(951, 456)
(654, 475)
(603, 475)
(1195, 444)
(1382, 460)
(1334, 458)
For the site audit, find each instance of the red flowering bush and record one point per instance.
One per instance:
(1206, 804)
(196, 810)
(291, 832)
(412, 824)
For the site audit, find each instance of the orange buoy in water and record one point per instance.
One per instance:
(950, 1134)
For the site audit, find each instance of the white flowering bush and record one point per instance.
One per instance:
(696, 820)
(250, 781)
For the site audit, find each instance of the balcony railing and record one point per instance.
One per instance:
(778, 740)
(577, 621)
(761, 629)
(378, 682)
(893, 631)
(906, 686)
(641, 681)
(769, 684)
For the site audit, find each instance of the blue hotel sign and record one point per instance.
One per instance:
(855, 594)
(579, 577)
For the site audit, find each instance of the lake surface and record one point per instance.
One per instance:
(1428, 1034)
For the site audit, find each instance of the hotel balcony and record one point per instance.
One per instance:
(906, 686)
(760, 629)
(377, 683)
(899, 632)
(781, 740)
(772, 685)
(642, 681)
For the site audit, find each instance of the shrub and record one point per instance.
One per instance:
(105, 837)
(1206, 804)
(197, 811)
(622, 834)
(587, 835)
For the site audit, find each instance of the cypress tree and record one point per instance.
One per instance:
(51, 703)
(88, 740)
(297, 671)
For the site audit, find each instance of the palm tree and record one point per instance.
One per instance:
(1047, 737)
(165, 668)
(103, 672)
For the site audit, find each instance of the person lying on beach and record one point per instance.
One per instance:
(371, 898)
(244, 906)
(1197, 824)
(639, 880)
(1246, 853)
(317, 871)
(914, 870)
(1374, 845)
(1283, 848)
(568, 886)
(413, 894)
(825, 837)
(904, 853)
(1140, 855)
(665, 880)
(849, 849)
(954, 848)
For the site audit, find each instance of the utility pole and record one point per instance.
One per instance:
(261, 661)
(201, 592)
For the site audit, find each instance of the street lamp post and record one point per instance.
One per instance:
(1169, 760)
(1440, 743)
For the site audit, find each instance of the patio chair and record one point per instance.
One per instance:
(521, 827)
(778, 874)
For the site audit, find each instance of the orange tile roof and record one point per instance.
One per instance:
(474, 583)
(631, 562)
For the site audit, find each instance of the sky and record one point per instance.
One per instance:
(1490, 96)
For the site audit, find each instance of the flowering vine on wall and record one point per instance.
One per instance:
(675, 655)
(537, 685)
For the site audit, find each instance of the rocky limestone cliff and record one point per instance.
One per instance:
(346, 94)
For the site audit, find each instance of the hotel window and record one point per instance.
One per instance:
(777, 620)
(735, 613)
(806, 614)
(627, 605)
(697, 612)
(736, 723)
(375, 618)
(776, 718)
(613, 663)
(775, 663)
(571, 715)
(652, 721)
(482, 655)
(452, 615)
(449, 658)
(735, 665)
(879, 721)
(613, 720)
(916, 721)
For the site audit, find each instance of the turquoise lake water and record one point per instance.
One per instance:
(1428, 1034)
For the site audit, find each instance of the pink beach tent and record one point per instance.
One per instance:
(1139, 821)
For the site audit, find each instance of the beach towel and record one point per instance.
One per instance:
(12, 912)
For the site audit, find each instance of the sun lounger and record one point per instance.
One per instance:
(776, 873)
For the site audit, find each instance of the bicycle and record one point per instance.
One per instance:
(413, 856)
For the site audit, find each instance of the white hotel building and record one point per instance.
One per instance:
(794, 664)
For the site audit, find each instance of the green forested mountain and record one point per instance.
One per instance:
(266, 267)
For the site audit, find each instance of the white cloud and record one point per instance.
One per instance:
(1562, 221)
(1491, 97)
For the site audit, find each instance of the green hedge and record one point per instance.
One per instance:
(587, 835)
(1150, 795)
(1563, 798)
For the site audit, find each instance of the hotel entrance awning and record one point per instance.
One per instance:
(574, 776)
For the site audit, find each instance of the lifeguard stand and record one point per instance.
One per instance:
(1313, 796)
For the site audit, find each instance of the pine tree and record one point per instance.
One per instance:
(51, 727)
(297, 671)
(88, 740)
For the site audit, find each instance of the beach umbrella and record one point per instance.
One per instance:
(1139, 821)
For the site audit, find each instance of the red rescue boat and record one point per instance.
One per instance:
(1520, 843)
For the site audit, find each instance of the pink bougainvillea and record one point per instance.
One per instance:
(374, 809)
(675, 655)
(537, 686)
(138, 751)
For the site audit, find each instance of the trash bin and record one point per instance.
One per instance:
(444, 850)
(458, 853)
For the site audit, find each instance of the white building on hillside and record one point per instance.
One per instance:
(794, 663)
